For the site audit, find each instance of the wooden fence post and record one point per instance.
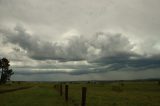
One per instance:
(55, 87)
(61, 92)
(66, 93)
(84, 91)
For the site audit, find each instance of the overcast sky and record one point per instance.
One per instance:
(56, 40)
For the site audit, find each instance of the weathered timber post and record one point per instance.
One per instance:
(61, 92)
(66, 93)
(84, 91)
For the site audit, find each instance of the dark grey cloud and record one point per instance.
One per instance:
(129, 65)
(41, 50)
(101, 49)
(73, 49)
(110, 75)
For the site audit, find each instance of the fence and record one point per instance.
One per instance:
(60, 89)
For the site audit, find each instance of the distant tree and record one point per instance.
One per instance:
(6, 72)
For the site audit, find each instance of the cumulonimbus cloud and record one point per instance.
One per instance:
(111, 51)
(74, 49)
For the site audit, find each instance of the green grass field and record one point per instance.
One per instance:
(117, 94)
(39, 95)
(99, 94)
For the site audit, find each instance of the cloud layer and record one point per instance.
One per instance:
(75, 48)
(100, 52)
(80, 38)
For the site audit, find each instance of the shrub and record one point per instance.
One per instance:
(122, 84)
(158, 82)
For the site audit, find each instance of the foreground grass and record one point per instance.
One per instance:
(126, 94)
(16, 85)
(99, 94)
(42, 95)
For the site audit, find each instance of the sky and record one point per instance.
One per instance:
(66, 40)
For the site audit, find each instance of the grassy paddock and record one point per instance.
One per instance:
(118, 93)
(41, 94)
(142, 93)
(15, 85)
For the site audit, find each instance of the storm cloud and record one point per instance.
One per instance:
(103, 49)
(75, 48)
(80, 38)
